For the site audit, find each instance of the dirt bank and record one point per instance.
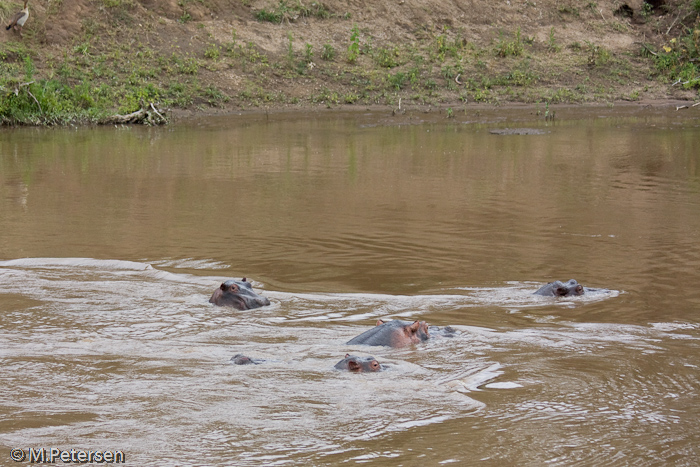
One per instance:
(211, 56)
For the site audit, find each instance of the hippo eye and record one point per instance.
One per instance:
(579, 289)
(375, 365)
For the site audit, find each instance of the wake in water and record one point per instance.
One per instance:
(100, 338)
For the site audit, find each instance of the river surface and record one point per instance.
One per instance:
(113, 239)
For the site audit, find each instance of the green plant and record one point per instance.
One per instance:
(505, 48)
(397, 80)
(308, 52)
(117, 3)
(354, 47)
(547, 114)
(597, 55)
(386, 58)
(351, 98)
(551, 42)
(291, 12)
(273, 16)
(328, 52)
(82, 48)
(29, 68)
(518, 78)
(186, 65)
(215, 96)
(441, 45)
(290, 47)
(212, 52)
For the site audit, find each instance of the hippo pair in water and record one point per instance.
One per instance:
(240, 295)
(349, 363)
(394, 333)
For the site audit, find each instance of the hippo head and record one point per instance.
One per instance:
(358, 364)
(560, 289)
(238, 294)
(240, 359)
(409, 333)
(415, 333)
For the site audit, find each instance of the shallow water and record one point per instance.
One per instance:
(113, 239)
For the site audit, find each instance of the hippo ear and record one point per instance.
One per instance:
(380, 322)
(243, 280)
(413, 328)
(347, 355)
(354, 366)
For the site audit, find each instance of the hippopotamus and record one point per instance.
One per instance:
(394, 333)
(433, 331)
(240, 359)
(358, 364)
(560, 289)
(238, 294)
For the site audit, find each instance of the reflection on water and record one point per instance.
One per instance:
(109, 341)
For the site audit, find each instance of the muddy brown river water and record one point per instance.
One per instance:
(113, 239)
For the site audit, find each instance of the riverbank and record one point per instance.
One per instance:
(92, 60)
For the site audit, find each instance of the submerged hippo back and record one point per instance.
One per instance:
(395, 333)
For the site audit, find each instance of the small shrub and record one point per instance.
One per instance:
(308, 52)
(397, 80)
(328, 52)
(387, 58)
(505, 48)
(291, 12)
(213, 52)
(598, 55)
(269, 16)
(351, 98)
(551, 42)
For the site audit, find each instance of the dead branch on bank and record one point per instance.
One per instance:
(147, 115)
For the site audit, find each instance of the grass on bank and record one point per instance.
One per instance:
(93, 78)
